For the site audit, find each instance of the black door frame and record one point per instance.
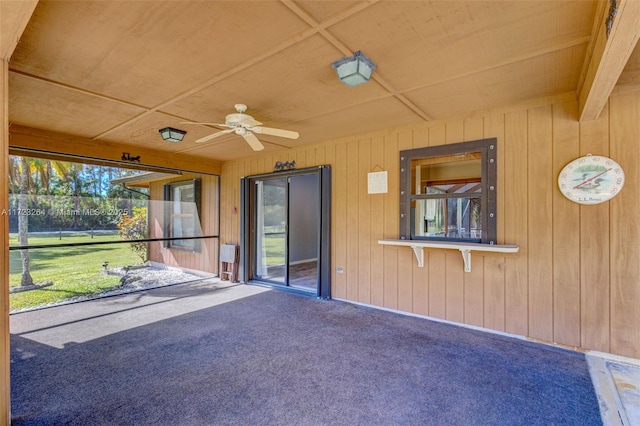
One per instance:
(324, 240)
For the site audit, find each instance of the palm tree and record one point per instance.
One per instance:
(42, 180)
(14, 174)
(23, 220)
(27, 175)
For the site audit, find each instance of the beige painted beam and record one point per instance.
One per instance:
(610, 55)
(45, 144)
(4, 246)
(14, 16)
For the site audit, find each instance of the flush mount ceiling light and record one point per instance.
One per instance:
(354, 70)
(170, 134)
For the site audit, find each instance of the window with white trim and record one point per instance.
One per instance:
(182, 214)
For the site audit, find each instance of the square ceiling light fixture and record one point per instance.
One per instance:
(354, 70)
(170, 134)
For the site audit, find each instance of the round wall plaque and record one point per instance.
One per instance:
(591, 179)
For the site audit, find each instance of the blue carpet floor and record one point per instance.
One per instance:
(280, 359)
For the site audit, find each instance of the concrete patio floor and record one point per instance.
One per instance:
(616, 380)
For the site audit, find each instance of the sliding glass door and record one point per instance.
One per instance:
(271, 230)
(287, 244)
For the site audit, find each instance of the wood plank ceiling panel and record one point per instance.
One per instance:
(529, 79)
(135, 50)
(384, 113)
(118, 71)
(306, 86)
(39, 104)
(419, 43)
(144, 132)
(324, 10)
(228, 148)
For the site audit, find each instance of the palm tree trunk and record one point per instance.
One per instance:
(23, 222)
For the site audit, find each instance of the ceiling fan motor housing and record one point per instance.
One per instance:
(236, 119)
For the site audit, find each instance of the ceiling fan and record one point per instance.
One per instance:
(245, 125)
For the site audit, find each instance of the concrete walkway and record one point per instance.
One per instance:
(616, 381)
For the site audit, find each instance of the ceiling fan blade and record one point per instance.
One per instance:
(214, 135)
(276, 132)
(205, 124)
(250, 122)
(253, 141)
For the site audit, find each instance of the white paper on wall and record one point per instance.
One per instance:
(378, 183)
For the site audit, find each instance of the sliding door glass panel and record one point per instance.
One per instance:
(271, 230)
(304, 228)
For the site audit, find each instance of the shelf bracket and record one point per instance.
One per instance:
(466, 258)
(419, 252)
(465, 248)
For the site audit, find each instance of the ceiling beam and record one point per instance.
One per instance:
(609, 57)
(32, 142)
(14, 17)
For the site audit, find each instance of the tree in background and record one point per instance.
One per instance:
(23, 221)
(66, 188)
(57, 186)
(72, 183)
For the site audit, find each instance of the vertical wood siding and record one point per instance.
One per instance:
(206, 259)
(576, 279)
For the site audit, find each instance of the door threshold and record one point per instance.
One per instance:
(284, 288)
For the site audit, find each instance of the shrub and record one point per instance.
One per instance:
(135, 228)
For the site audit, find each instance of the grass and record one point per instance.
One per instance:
(274, 248)
(75, 271)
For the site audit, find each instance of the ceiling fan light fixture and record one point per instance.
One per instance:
(354, 70)
(170, 134)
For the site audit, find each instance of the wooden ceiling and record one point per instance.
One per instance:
(116, 72)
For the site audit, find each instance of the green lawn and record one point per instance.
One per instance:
(274, 248)
(75, 271)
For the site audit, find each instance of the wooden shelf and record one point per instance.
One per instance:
(465, 248)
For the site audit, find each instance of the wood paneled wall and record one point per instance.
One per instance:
(576, 279)
(207, 259)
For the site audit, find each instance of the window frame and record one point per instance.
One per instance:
(488, 202)
(169, 215)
